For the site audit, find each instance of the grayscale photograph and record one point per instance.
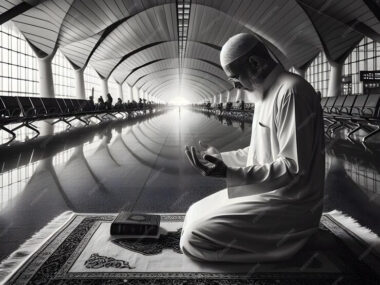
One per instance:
(185, 142)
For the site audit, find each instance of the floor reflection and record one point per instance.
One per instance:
(122, 165)
(141, 165)
(352, 181)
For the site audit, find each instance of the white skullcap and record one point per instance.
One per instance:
(236, 47)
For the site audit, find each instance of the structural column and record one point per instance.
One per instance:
(104, 87)
(130, 94)
(228, 96)
(134, 93)
(335, 79)
(80, 91)
(120, 91)
(46, 84)
(240, 95)
(46, 76)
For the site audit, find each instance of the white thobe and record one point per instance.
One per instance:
(273, 200)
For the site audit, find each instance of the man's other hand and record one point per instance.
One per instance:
(208, 162)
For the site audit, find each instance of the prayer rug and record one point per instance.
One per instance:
(82, 252)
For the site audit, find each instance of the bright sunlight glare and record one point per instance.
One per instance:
(179, 100)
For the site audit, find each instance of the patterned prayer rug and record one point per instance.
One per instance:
(82, 252)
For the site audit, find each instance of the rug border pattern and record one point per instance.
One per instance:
(31, 267)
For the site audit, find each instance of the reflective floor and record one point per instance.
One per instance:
(141, 165)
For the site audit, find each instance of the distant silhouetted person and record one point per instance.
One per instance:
(119, 103)
(109, 102)
(91, 104)
(101, 104)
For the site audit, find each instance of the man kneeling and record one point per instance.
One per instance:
(273, 201)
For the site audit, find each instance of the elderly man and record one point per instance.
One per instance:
(273, 201)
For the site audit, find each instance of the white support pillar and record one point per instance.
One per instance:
(129, 92)
(120, 91)
(335, 82)
(46, 85)
(228, 96)
(104, 87)
(220, 98)
(239, 95)
(46, 76)
(80, 92)
(134, 94)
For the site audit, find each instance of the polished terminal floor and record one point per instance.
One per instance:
(141, 165)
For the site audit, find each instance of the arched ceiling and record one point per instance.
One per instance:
(139, 42)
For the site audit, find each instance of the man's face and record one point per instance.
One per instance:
(245, 73)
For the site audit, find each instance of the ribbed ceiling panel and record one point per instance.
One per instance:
(137, 40)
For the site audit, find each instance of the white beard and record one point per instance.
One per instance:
(253, 96)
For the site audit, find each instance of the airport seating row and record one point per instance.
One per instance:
(354, 112)
(234, 111)
(24, 111)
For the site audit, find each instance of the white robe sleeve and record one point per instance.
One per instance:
(235, 158)
(286, 166)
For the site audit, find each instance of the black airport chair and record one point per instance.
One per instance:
(29, 115)
(359, 105)
(39, 108)
(323, 102)
(338, 105)
(356, 113)
(329, 104)
(65, 111)
(342, 112)
(371, 106)
(63, 107)
(348, 105)
(27, 108)
(10, 113)
(371, 116)
(70, 107)
(79, 112)
(52, 108)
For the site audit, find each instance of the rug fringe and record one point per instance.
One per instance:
(9, 265)
(362, 232)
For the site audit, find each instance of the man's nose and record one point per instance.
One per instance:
(238, 85)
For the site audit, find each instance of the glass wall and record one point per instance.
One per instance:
(318, 74)
(113, 89)
(63, 76)
(18, 65)
(366, 56)
(92, 81)
(127, 91)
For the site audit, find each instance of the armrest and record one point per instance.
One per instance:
(345, 109)
(365, 109)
